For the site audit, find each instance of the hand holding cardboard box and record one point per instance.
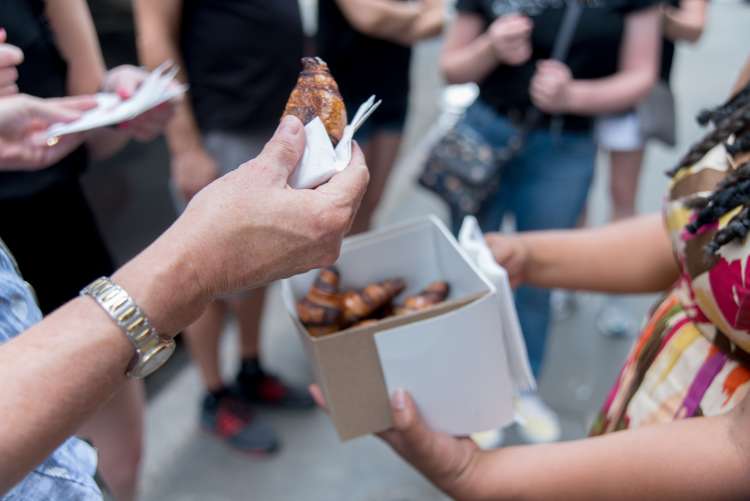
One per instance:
(454, 358)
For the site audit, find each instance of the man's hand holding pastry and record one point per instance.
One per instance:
(246, 229)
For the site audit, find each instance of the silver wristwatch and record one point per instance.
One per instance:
(152, 349)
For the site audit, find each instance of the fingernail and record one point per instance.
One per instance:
(399, 400)
(290, 125)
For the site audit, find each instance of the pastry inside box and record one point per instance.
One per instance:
(402, 303)
(327, 308)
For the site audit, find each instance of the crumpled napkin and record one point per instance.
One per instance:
(321, 161)
(471, 239)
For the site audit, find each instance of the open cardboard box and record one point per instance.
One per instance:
(451, 358)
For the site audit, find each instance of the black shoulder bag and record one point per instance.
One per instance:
(463, 168)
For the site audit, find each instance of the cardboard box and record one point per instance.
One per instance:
(452, 358)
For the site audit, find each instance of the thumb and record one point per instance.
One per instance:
(351, 183)
(403, 410)
(284, 151)
(414, 433)
(3, 35)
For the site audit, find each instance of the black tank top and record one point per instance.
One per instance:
(43, 73)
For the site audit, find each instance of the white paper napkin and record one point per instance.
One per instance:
(321, 161)
(159, 87)
(471, 239)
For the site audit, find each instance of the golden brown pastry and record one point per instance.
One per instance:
(358, 305)
(317, 94)
(433, 294)
(321, 307)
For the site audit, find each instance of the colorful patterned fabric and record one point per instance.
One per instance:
(692, 358)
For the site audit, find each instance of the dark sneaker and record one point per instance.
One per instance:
(230, 418)
(267, 389)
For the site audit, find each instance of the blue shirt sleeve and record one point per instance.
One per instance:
(67, 474)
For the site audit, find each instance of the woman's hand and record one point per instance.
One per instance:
(125, 80)
(23, 120)
(550, 87)
(448, 462)
(511, 38)
(10, 57)
(512, 253)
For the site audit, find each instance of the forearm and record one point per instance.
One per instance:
(690, 459)
(678, 27)
(470, 63)
(77, 41)
(57, 374)
(612, 94)
(384, 19)
(61, 370)
(157, 42)
(686, 22)
(183, 133)
(429, 23)
(632, 256)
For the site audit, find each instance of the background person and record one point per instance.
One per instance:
(62, 57)
(546, 185)
(368, 46)
(622, 136)
(239, 85)
(201, 256)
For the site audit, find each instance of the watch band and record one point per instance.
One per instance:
(152, 349)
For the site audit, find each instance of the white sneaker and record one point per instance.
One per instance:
(614, 320)
(537, 423)
(490, 439)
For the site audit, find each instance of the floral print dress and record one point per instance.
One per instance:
(692, 358)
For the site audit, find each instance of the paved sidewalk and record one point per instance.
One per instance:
(182, 463)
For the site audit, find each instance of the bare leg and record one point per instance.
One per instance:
(625, 170)
(249, 309)
(116, 430)
(380, 152)
(203, 341)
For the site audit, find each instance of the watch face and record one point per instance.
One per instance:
(153, 359)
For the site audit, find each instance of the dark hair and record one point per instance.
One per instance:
(730, 119)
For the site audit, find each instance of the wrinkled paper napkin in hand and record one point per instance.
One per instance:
(472, 241)
(158, 87)
(321, 161)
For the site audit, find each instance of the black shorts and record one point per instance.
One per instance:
(55, 239)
